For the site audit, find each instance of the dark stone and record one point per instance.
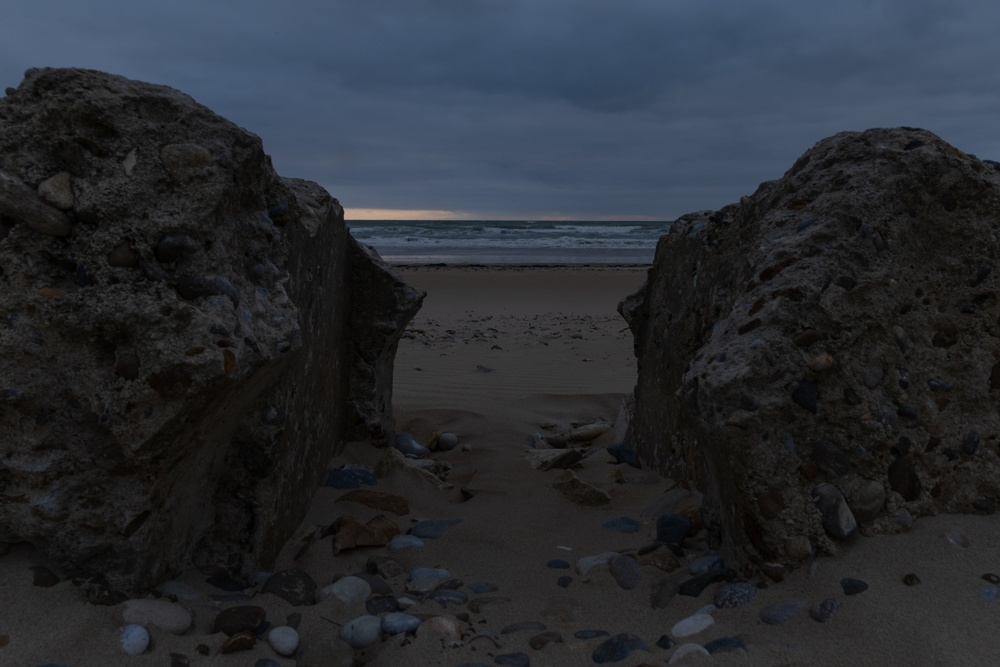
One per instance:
(43, 577)
(539, 641)
(239, 619)
(622, 525)
(725, 645)
(806, 395)
(853, 586)
(981, 273)
(350, 478)
(617, 648)
(381, 604)
(940, 385)
(665, 642)
(846, 282)
(226, 583)
(824, 610)
(557, 564)
(294, 586)
(624, 454)
(851, 397)
(241, 641)
(992, 578)
(513, 659)
(672, 528)
(591, 634)
(173, 246)
(911, 579)
(564, 581)
(907, 411)
(830, 458)
(694, 586)
(179, 660)
(903, 478)
(734, 595)
(970, 444)
(808, 337)
(780, 612)
(986, 504)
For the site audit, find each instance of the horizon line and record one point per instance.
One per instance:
(408, 215)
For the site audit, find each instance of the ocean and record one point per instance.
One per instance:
(510, 242)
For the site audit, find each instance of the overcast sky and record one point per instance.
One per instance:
(521, 109)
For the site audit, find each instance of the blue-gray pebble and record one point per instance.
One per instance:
(617, 648)
(853, 586)
(513, 659)
(780, 612)
(623, 524)
(557, 564)
(724, 645)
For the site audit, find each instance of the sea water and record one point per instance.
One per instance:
(510, 242)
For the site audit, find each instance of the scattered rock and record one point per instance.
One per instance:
(362, 631)
(911, 579)
(533, 626)
(134, 639)
(409, 447)
(513, 659)
(283, 639)
(672, 528)
(396, 623)
(295, 586)
(825, 609)
(587, 563)
(400, 542)
(350, 590)
(853, 586)
(692, 625)
(548, 459)
(617, 648)
(581, 492)
(241, 641)
(735, 595)
(626, 571)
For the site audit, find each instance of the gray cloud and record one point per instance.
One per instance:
(523, 108)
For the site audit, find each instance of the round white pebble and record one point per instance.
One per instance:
(283, 639)
(362, 631)
(134, 639)
(692, 625)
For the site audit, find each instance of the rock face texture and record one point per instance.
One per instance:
(826, 354)
(180, 332)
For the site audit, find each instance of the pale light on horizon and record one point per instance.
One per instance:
(433, 214)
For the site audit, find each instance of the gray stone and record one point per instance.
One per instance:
(395, 622)
(626, 571)
(738, 594)
(362, 631)
(692, 625)
(837, 518)
(155, 383)
(283, 639)
(801, 269)
(780, 612)
(134, 639)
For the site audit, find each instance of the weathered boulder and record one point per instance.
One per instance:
(826, 352)
(178, 329)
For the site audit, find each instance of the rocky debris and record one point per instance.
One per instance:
(173, 314)
(832, 337)
(580, 492)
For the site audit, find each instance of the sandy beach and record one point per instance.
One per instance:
(510, 359)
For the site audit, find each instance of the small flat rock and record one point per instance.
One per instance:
(513, 659)
(665, 642)
(241, 641)
(293, 585)
(396, 623)
(433, 528)
(349, 590)
(824, 610)
(532, 626)
(838, 521)
(735, 595)
(853, 586)
(625, 454)
(622, 524)
(686, 650)
(780, 612)
(283, 639)
(626, 571)
(564, 581)
(543, 639)
(362, 631)
(351, 478)
(588, 432)
(617, 648)
(672, 528)
(557, 564)
(587, 563)
(692, 625)
(400, 542)
(162, 614)
(549, 459)
(445, 596)
(134, 639)
(381, 604)
(445, 625)
(725, 645)
(379, 500)
(239, 619)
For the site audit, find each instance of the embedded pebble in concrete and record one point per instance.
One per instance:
(672, 528)
(400, 542)
(725, 645)
(617, 648)
(685, 650)
(626, 571)
(853, 586)
(706, 563)
(622, 524)
(283, 639)
(825, 609)
(624, 454)
(587, 563)
(557, 564)
(433, 528)
(735, 595)
(838, 520)
(133, 638)
(362, 631)
(513, 659)
(692, 625)
(397, 622)
(780, 612)
(533, 626)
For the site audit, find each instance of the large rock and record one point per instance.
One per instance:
(837, 327)
(179, 329)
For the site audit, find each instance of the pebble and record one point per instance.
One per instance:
(266, 662)
(43, 577)
(825, 609)
(706, 563)
(513, 659)
(725, 645)
(444, 596)
(685, 650)
(591, 634)
(911, 579)
(447, 441)
(587, 563)
(381, 604)
(665, 642)
(405, 542)
(672, 528)
(293, 585)
(990, 577)
(662, 593)
(241, 641)
(623, 525)
(735, 595)
(362, 631)
(133, 638)
(409, 447)
(780, 612)
(692, 625)
(162, 614)
(564, 581)
(397, 622)
(989, 592)
(557, 564)
(283, 639)
(626, 571)
(351, 478)
(617, 648)
(694, 586)
(838, 520)
(958, 539)
(853, 586)
(239, 619)
(433, 528)
(533, 626)
(349, 590)
(539, 641)
(624, 454)
(806, 395)
(429, 573)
